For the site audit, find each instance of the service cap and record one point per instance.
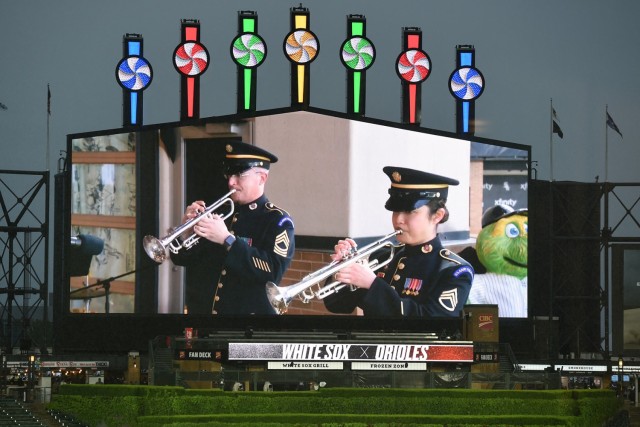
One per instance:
(240, 156)
(411, 188)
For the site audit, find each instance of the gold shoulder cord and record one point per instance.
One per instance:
(270, 206)
(446, 254)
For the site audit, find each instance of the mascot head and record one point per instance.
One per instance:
(502, 243)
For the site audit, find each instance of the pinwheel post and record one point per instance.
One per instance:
(301, 47)
(357, 55)
(191, 60)
(413, 66)
(466, 84)
(134, 75)
(248, 51)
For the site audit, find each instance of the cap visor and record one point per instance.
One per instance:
(395, 204)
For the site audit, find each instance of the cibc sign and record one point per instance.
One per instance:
(482, 323)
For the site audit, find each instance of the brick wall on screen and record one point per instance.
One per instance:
(305, 262)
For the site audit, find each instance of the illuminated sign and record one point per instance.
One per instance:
(483, 357)
(199, 355)
(581, 368)
(485, 322)
(74, 364)
(389, 366)
(454, 352)
(305, 365)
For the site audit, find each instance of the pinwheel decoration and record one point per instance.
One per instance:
(466, 84)
(134, 74)
(248, 51)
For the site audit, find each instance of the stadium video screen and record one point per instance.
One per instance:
(127, 184)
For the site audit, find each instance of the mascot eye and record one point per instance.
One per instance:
(511, 231)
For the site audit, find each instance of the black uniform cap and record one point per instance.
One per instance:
(494, 213)
(411, 189)
(241, 156)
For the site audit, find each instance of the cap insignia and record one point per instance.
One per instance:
(396, 176)
(229, 148)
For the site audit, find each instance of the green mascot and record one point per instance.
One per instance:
(501, 248)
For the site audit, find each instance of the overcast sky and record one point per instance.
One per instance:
(580, 53)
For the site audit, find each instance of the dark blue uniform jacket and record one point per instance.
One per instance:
(262, 252)
(420, 281)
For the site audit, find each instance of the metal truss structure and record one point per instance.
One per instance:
(24, 260)
(585, 222)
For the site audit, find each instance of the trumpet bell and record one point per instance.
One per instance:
(277, 297)
(281, 296)
(155, 249)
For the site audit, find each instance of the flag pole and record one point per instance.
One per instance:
(46, 159)
(606, 143)
(551, 140)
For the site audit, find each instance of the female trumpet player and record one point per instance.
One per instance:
(253, 246)
(423, 279)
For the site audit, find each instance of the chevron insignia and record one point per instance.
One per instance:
(281, 246)
(449, 299)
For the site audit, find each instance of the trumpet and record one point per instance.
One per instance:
(281, 296)
(157, 248)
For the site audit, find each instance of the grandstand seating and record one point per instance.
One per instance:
(13, 412)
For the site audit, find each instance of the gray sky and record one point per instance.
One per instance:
(577, 52)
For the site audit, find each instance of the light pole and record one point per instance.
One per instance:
(620, 373)
(31, 368)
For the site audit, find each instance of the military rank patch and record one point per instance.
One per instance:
(261, 264)
(281, 246)
(412, 286)
(449, 299)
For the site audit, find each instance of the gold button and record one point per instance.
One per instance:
(396, 277)
(235, 219)
(214, 312)
(400, 266)
(220, 285)
(224, 272)
(217, 298)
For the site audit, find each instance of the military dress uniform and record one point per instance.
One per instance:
(421, 281)
(425, 280)
(260, 250)
(261, 253)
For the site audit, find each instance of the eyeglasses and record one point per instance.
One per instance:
(238, 175)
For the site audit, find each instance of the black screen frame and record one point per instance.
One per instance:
(99, 332)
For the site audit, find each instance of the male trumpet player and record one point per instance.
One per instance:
(253, 246)
(423, 279)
